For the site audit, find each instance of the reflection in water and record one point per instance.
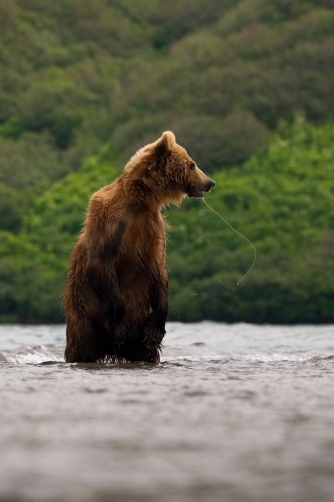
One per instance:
(232, 413)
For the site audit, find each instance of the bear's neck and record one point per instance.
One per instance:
(142, 196)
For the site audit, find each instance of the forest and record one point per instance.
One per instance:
(246, 86)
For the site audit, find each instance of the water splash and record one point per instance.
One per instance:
(26, 354)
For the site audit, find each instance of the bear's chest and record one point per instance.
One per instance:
(144, 240)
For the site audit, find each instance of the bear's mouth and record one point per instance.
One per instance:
(193, 191)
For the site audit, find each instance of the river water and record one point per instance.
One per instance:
(232, 413)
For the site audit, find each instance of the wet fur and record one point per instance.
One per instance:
(115, 298)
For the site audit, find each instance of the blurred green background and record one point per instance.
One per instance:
(246, 86)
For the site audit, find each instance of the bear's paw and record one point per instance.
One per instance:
(153, 336)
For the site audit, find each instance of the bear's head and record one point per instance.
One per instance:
(164, 171)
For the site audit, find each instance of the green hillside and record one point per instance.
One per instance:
(75, 74)
(84, 84)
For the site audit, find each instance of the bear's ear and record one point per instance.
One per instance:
(167, 141)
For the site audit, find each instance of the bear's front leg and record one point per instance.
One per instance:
(154, 327)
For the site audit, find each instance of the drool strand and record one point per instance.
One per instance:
(234, 230)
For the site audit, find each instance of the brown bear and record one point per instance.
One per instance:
(115, 298)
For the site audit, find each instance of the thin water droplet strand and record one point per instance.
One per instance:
(236, 231)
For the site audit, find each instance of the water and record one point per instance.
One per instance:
(232, 413)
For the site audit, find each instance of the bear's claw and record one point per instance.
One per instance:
(153, 336)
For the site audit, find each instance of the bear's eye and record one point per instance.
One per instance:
(192, 165)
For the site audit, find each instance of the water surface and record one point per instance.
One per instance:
(232, 413)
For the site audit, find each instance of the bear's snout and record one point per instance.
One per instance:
(211, 184)
(197, 189)
(208, 185)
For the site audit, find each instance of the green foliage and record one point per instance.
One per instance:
(30, 160)
(30, 282)
(11, 209)
(215, 142)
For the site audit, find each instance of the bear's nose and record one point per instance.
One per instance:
(212, 183)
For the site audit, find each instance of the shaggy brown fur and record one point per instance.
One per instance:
(115, 299)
